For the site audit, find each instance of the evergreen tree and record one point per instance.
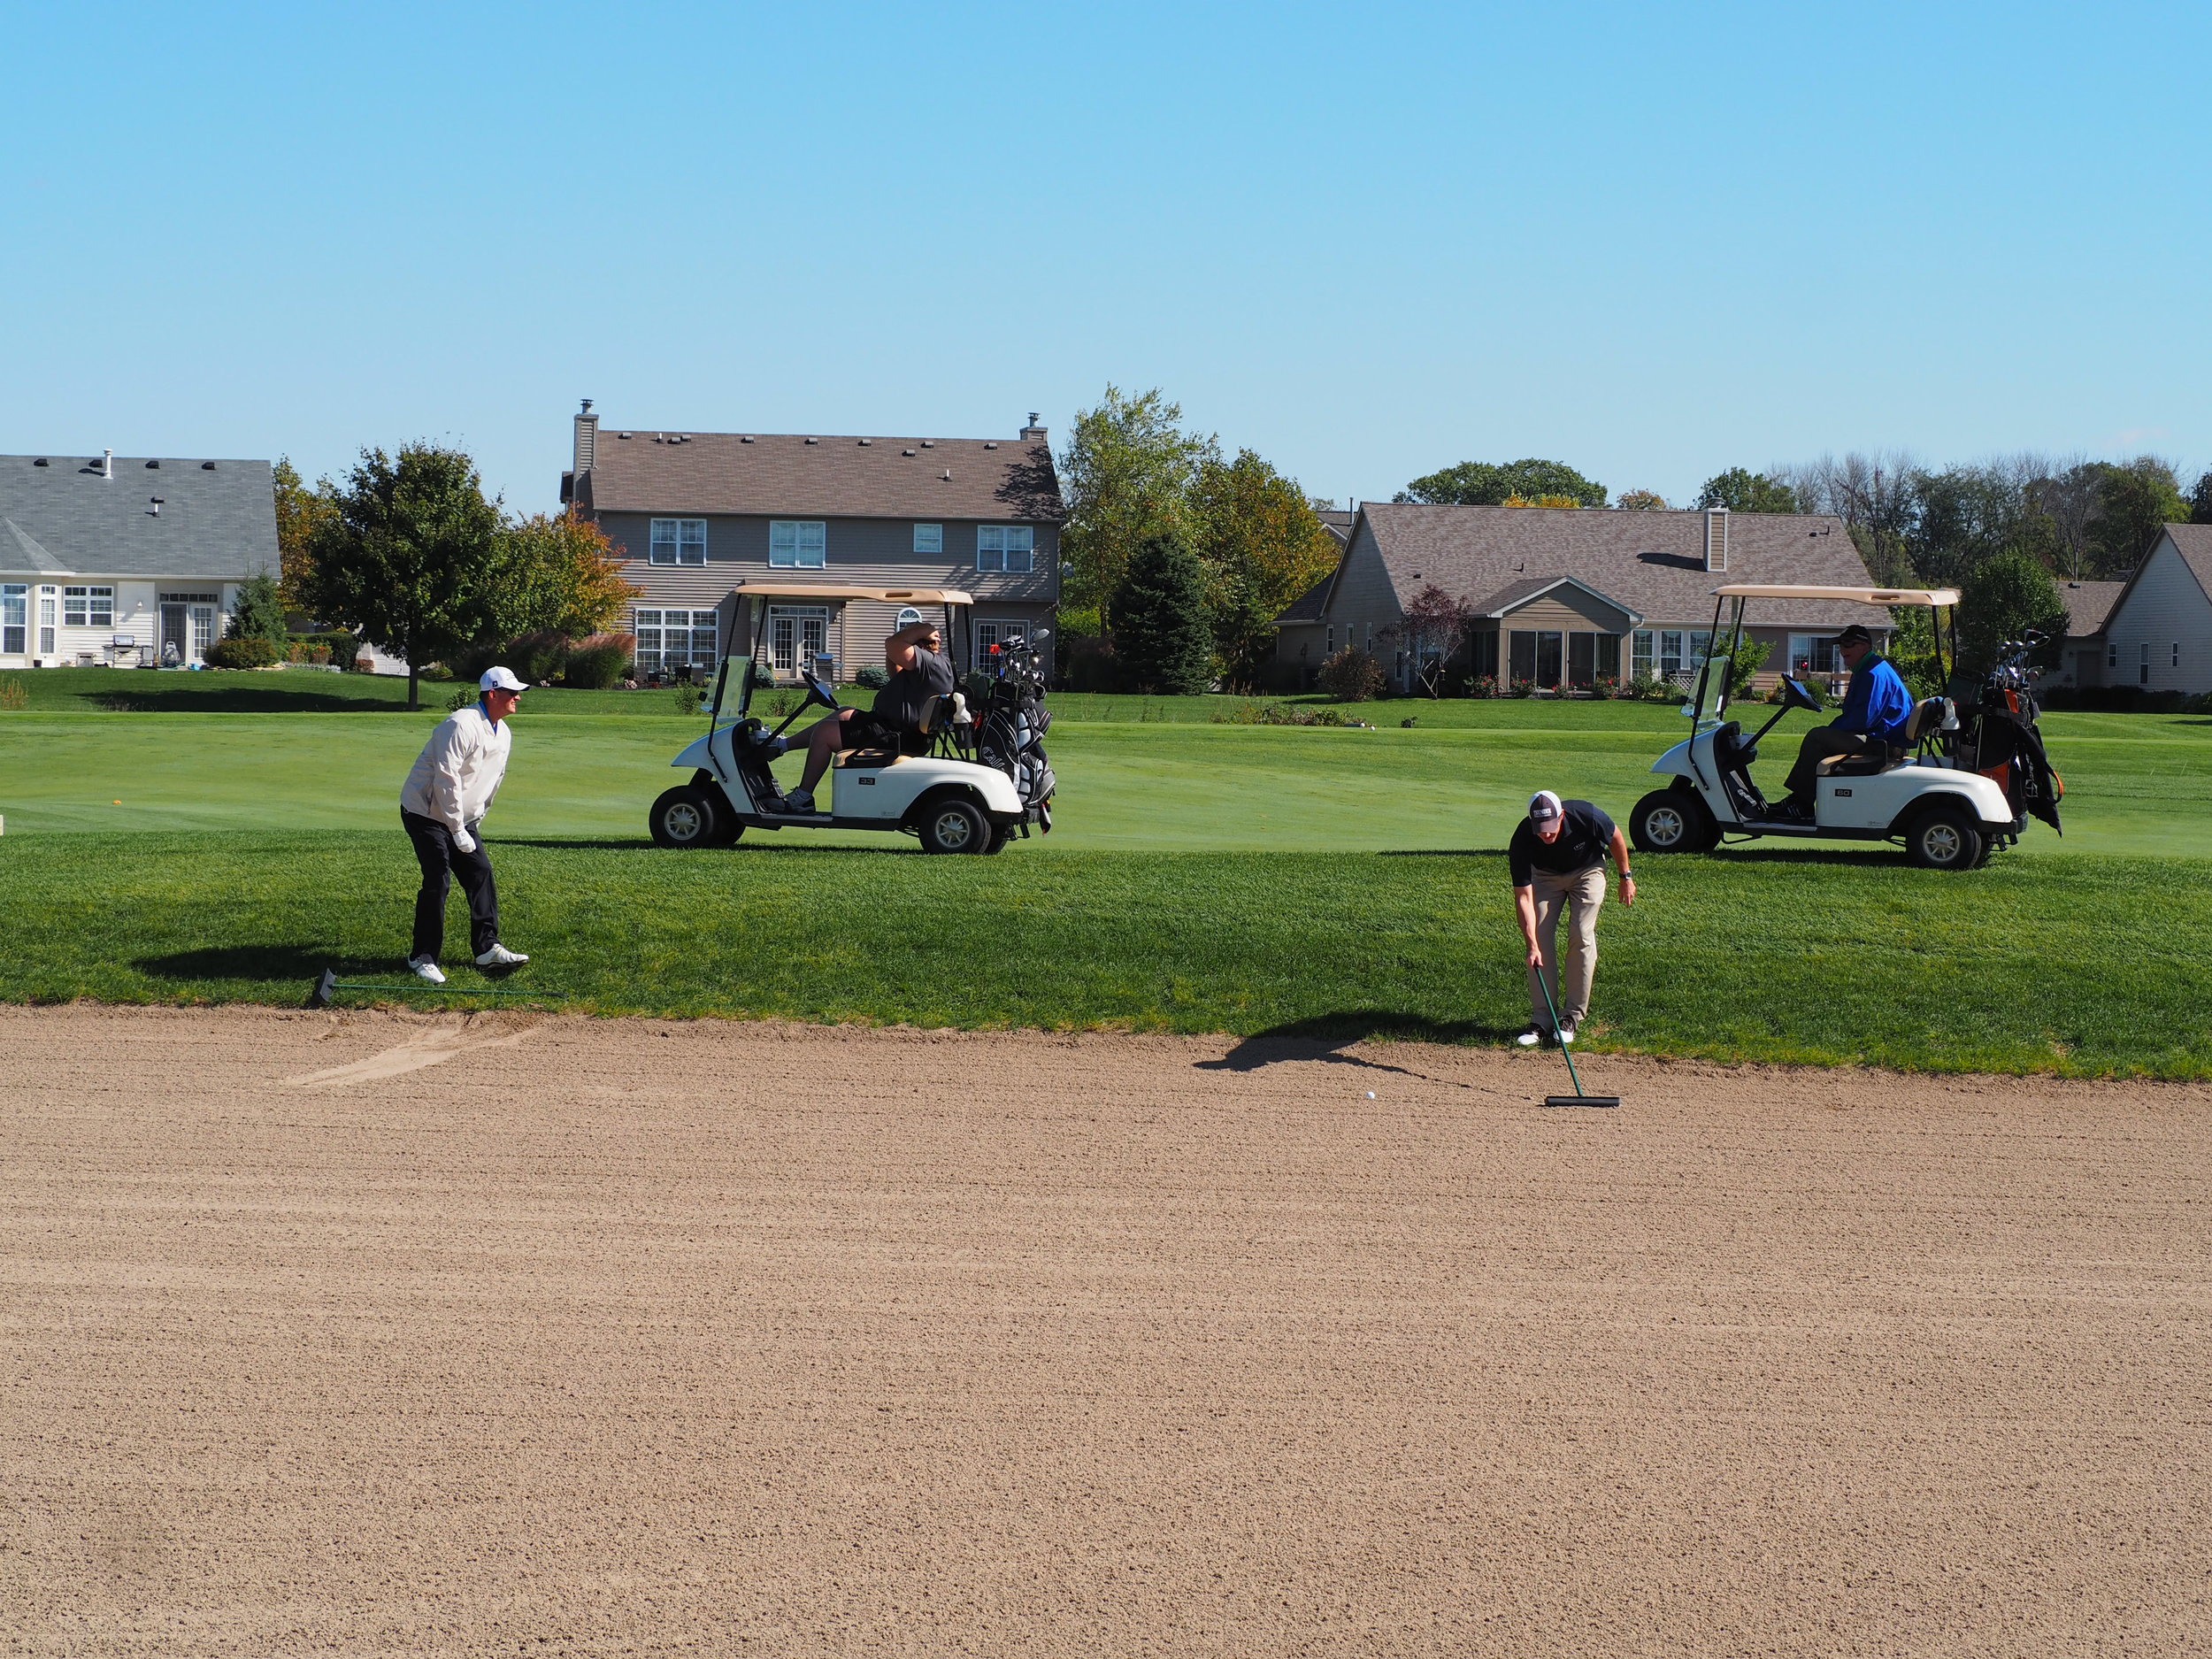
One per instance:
(1162, 631)
(260, 613)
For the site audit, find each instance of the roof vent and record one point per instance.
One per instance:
(902, 452)
(946, 475)
(1716, 538)
(683, 437)
(988, 445)
(929, 444)
(207, 467)
(864, 443)
(153, 465)
(107, 464)
(814, 441)
(157, 501)
(39, 462)
(748, 439)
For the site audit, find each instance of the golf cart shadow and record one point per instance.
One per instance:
(1321, 1037)
(256, 962)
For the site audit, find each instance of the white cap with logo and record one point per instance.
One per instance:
(501, 680)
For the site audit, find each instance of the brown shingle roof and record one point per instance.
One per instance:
(2089, 603)
(1652, 562)
(1309, 605)
(832, 477)
(2194, 543)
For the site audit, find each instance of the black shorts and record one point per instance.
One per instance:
(863, 730)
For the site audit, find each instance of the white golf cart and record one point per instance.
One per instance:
(1926, 790)
(956, 793)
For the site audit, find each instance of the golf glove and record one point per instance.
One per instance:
(464, 841)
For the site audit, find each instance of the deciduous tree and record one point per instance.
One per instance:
(298, 510)
(1487, 484)
(1739, 489)
(406, 556)
(1125, 476)
(1262, 545)
(2135, 501)
(1641, 500)
(1433, 629)
(2004, 597)
(553, 573)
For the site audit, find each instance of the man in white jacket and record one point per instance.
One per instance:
(448, 793)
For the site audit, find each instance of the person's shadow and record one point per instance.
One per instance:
(1322, 1037)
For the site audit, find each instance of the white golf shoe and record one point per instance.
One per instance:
(500, 956)
(1567, 1034)
(423, 968)
(1530, 1037)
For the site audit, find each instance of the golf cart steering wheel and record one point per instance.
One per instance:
(1795, 694)
(818, 688)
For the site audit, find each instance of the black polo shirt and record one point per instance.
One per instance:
(1583, 839)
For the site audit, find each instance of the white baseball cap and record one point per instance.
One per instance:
(1543, 806)
(497, 679)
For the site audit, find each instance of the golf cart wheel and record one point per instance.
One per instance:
(1944, 838)
(689, 816)
(952, 825)
(1000, 836)
(1670, 821)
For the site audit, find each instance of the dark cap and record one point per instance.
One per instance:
(1853, 635)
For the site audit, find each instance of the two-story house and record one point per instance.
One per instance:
(708, 521)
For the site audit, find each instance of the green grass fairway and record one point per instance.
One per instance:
(2138, 784)
(1203, 876)
(2077, 966)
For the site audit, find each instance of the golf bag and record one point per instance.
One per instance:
(1011, 719)
(2007, 743)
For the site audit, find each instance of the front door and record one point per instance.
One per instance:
(796, 635)
(175, 649)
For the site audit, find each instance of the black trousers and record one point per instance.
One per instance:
(1820, 742)
(442, 861)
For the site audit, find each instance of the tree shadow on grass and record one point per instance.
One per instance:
(243, 700)
(1323, 1036)
(1443, 852)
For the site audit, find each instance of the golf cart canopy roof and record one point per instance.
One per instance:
(774, 589)
(1930, 596)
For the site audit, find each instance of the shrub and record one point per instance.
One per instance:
(1649, 687)
(1483, 686)
(332, 645)
(243, 651)
(1749, 657)
(1352, 676)
(874, 676)
(596, 667)
(14, 694)
(1605, 685)
(1524, 688)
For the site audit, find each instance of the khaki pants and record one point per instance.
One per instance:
(1581, 895)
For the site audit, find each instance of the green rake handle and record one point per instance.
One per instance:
(1553, 1009)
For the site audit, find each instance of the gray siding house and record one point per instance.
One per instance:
(706, 520)
(126, 560)
(1563, 597)
(2157, 634)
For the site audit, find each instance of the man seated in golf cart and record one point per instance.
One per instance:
(920, 671)
(1875, 710)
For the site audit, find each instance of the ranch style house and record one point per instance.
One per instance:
(707, 521)
(1564, 596)
(127, 561)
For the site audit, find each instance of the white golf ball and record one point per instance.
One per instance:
(1371, 1093)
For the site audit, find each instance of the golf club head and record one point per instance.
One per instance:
(320, 997)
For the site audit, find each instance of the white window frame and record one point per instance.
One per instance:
(997, 630)
(998, 547)
(674, 637)
(1819, 654)
(678, 541)
(49, 619)
(87, 607)
(930, 539)
(797, 544)
(15, 619)
(787, 629)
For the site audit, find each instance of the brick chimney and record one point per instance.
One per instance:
(1716, 538)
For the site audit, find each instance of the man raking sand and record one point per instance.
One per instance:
(1557, 860)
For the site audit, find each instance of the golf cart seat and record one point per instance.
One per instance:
(916, 743)
(1927, 715)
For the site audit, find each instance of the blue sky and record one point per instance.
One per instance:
(1366, 241)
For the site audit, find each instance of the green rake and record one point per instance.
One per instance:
(330, 985)
(1578, 1098)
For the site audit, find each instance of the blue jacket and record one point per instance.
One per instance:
(1878, 703)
